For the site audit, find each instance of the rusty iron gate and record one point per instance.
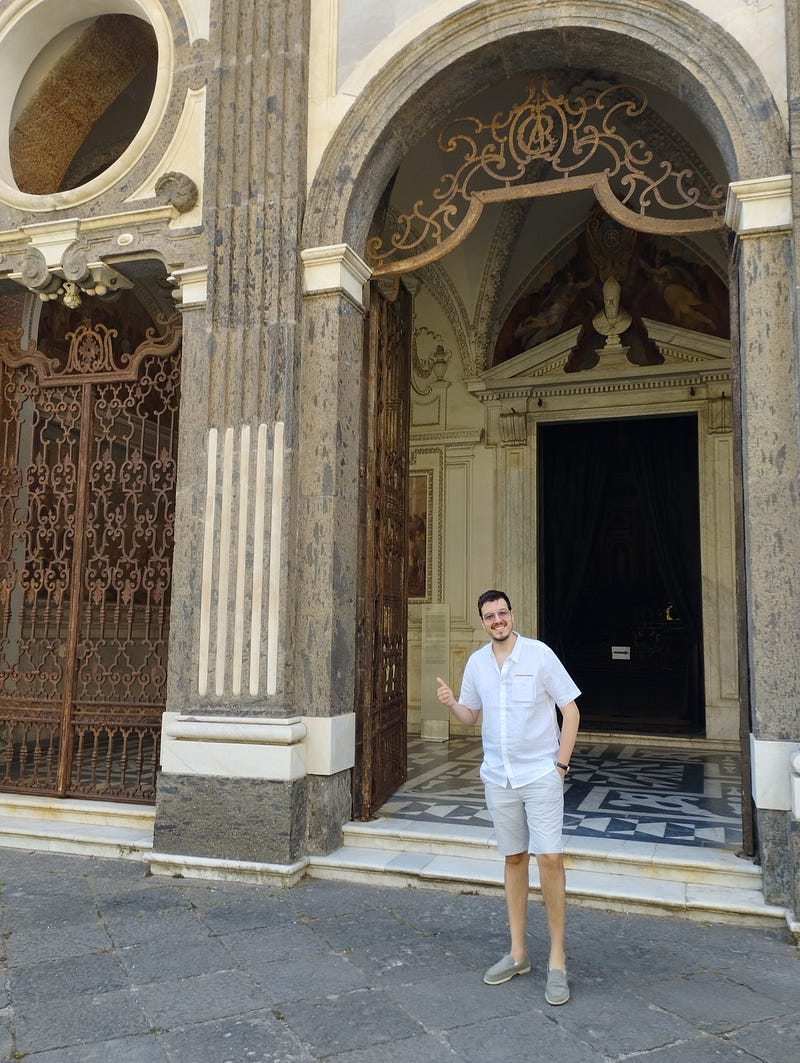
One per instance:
(381, 725)
(88, 450)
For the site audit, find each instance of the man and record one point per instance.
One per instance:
(518, 682)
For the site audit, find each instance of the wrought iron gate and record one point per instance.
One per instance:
(88, 448)
(381, 755)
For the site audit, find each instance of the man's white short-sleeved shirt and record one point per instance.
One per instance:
(520, 730)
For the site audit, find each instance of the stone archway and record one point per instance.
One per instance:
(481, 45)
(734, 106)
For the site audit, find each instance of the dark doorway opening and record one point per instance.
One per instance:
(620, 579)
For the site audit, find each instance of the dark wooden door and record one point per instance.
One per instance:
(383, 604)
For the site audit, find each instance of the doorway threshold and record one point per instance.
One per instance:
(662, 741)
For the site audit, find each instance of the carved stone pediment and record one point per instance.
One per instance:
(546, 360)
(683, 348)
(685, 354)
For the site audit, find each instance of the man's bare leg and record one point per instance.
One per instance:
(516, 889)
(553, 880)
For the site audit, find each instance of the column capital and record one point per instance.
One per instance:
(192, 286)
(760, 205)
(335, 268)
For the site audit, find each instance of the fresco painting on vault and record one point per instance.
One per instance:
(661, 278)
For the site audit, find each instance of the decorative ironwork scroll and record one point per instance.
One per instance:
(91, 356)
(582, 137)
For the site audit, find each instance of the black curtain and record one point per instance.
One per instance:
(578, 463)
(574, 470)
(663, 457)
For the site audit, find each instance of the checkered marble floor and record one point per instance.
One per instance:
(621, 791)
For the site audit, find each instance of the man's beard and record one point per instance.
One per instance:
(500, 637)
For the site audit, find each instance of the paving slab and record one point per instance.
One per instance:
(304, 974)
(144, 1049)
(259, 1037)
(70, 1022)
(55, 979)
(360, 1019)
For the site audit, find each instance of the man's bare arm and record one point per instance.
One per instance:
(447, 698)
(570, 722)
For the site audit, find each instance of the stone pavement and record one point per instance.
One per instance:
(102, 963)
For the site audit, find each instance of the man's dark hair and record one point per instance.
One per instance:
(492, 596)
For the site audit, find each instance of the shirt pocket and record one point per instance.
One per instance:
(523, 689)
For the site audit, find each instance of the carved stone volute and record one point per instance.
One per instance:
(75, 263)
(178, 190)
(33, 271)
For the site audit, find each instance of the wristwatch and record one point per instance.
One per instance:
(564, 767)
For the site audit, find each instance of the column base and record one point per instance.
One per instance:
(226, 870)
(250, 821)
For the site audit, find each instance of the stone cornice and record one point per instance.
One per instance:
(49, 232)
(335, 268)
(192, 290)
(466, 438)
(109, 238)
(605, 387)
(760, 205)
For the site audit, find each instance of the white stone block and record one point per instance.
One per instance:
(772, 779)
(330, 744)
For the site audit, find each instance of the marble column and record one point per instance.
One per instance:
(768, 385)
(233, 789)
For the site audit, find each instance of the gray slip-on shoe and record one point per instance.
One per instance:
(505, 969)
(557, 989)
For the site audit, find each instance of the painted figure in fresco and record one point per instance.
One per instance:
(679, 292)
(536, 328)
(518, 682)
(417, 555)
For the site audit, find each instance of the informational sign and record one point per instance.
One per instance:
(434, 717)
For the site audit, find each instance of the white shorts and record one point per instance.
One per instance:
(529, 818)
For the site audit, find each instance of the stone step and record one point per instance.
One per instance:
(700, 883)
(30, 806)
(88, 828)
(649, 859)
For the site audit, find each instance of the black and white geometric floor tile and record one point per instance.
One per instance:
(612, 791)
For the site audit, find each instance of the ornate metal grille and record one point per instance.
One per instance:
(381, 722)
(550, 143)
(88, 447)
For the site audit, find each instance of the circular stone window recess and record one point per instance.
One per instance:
(84, 89)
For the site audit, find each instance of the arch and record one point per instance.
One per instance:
(664, 45)
(667, 43)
